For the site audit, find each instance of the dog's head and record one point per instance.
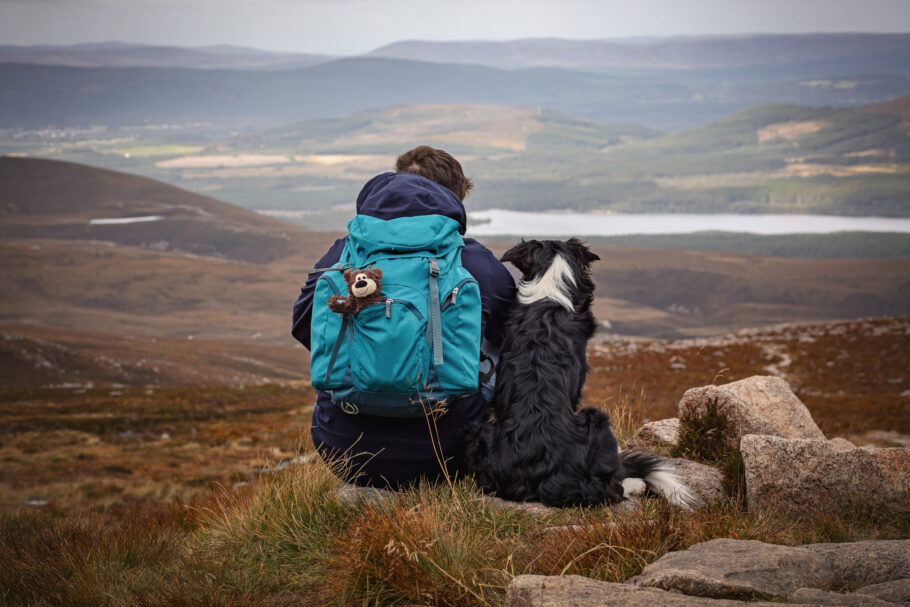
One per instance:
(534, 257)
(551, 268)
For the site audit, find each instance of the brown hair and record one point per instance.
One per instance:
(435, 165)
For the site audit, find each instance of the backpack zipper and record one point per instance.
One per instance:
(388, 308)
(453, 295)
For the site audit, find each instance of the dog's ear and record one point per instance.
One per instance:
(521, 256)
(585, 255)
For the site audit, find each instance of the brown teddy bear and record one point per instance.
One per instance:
(365, 287)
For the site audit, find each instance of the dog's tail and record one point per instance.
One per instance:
(650, 472)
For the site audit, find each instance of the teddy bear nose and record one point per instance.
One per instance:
(360, 284)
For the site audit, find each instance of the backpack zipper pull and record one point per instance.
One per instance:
(454, 295)
(388, 308)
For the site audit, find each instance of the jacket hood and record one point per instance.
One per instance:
(394, 195)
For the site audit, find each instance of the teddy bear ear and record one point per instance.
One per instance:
(376, 272)
(348, 275)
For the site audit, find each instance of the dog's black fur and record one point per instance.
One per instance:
(536, 445)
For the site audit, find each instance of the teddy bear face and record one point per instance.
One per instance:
(363, 286)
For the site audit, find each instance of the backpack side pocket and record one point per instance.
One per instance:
(460, 338)
(329, 351)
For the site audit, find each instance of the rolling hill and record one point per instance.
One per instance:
(775, 158)
(59, 200)
(79, 305)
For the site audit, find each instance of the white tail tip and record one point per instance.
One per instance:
(668, 485)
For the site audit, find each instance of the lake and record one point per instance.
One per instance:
(500, 222)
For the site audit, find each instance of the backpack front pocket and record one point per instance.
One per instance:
(389, 348)
(460, 339)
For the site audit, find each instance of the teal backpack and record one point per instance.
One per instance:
(414, 351)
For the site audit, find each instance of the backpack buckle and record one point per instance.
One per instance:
(434, 267)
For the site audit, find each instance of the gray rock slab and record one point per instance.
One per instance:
(772, 398)
(706, 483)
(814, 596)
(655, 436)
(741, 418)
(811, 475)
(896, 591)
(866, 562)
(578, 591)
(352, 494)
(725, 567)
(534, 508)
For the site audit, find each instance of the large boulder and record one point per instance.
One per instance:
(772, 398)
(725, 567)
(756, 405)
(813, 475)
(699, 405)
(578, 591)
(655, 436)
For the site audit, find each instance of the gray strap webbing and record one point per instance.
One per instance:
(435, 314)
(344, 329)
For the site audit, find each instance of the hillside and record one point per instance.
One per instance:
(774, 158)
(60, 200)
(206, 291)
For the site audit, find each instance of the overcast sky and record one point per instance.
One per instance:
(357, 26)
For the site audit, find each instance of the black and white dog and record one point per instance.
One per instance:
(536, 445)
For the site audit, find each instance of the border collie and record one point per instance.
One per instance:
(536, 444)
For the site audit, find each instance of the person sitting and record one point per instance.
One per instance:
(395, 452)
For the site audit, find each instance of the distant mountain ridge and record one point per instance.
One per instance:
(121, 54)
(839, 52)
(42, 96)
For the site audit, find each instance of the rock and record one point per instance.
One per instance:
(868, 562)
(741, 419)
(842, 444)
(756, 405)
(897, 591)
(352, 494)
(772, 398)
(725, 567)
(655, 436)
(534, 508)
(705, 482)
(813, 475)
(813, 596)
(578, 591)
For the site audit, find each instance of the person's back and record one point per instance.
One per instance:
(394, 451)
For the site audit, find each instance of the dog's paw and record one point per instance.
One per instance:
(633, 487)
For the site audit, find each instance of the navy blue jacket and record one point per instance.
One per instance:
(395, 452)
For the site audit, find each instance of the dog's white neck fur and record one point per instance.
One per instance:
(553, 284)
